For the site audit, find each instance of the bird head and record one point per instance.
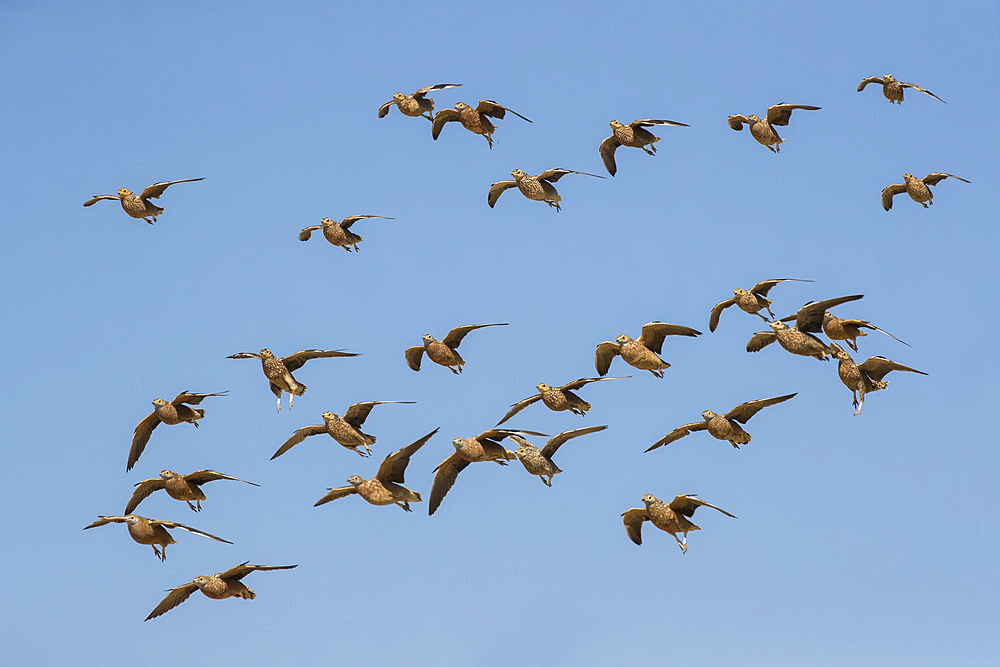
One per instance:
(828, 316)
(132, 519)
(707, 414)
(329, 416)
(124, 192)
(158, 402)
(398, 96)
(839, 352)
(266, 354)
(753, 118)
(458, 442)
(326, 222)
(739, 291)
(622, 339)
(428, 339)
(200, 581)
(517, 174)
(355, 480)
(167, 474)
(908, 177)
(461, 106)
(542, 387)
(888, 78)
(649, 499)
(615, 125)
(777, 325)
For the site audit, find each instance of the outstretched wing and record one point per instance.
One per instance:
(141, 437)
(334, 494)
(413, 356)
(889, 192)
(764, 286)
(96, 198)
(174, 524)
(744, 411)
(306, 233)
(498, 189)
(923, 90)
(204, 476)
(243, 569)
(193, 399)
(878, 367)
(779, 114)
(761, 340)
(553, 175)
(438, 86)
(607, 150)
(679, 433)
(442, 117)
(444, 479)
(105, 520)
(496, 110)
(809, 317)
(358, 413)
(501, 433)
(937, 177)
(298, 437)
(384, 109)
(736, 121)
(633, 520)
(871, 79)
(156, 189)
(455, 336)
(650, 123)
(520, 405)
(553, 445)
(687, 504)
(174, 598)
(142, 491)
(713, 319)
(394, 465)
(577, 384)
(653, 334)
(350, 220)
(606, 351)
(244, 355)
(295, 361)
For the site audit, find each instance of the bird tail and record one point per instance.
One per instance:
(247, 593)
(299, 389)
(878, 385)
(585, 406)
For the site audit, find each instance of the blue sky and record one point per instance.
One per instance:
(860, 540)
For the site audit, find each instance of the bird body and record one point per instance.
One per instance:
(838, 328)
(641, 353)
(171, 413)
(180, 487)
(539, 461)
(475, 120)
(866, 377)
(443, 352)
(557, 399)
(670, 517)
(278, 370)
(536, 188)
(763, 129)
(633, 135)
(723, 426)
(140, 206)
(416, 104)
(345, 430)
(893, 88)
(339, 233)
(916, 188)
(217, 586)
(790, 338)
(750, 301)
(152, 532)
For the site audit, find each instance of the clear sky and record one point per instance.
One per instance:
(860, 540)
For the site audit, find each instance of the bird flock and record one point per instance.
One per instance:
(386, 487)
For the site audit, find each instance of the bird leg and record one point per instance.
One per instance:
(163, 552)
(553, 204)
(548, 482)
(279, 402)
(651, 150)
(290, 397)
(192, 506)
(853, 343)
(454, 371)
(355, 247)
(658, 374)
(405, 505)
(682, 545)
(428, 116)
(489, 140)
(500, 462)
(148, 221)
(346, 248)
(860, 405)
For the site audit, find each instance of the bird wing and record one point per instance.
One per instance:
(736, 121)
(334, 494)
(862, 324)
(442, 117)
(760, 340)
(553, 445)
(455, 336)
(871, 79)
(298, 437)
(650, 123)
(244, 355)
(937, 177)
(295, 361)
(878, 367)
(413, 356)
(174, 524)
(438, 86)
(779, 114)
(520, 405)
(142, 491)
(679, 433)
(496, 110)
(156, 189)
(203, 476)
(394, 466)
(577, 384)
(809, 317)
(306, 233)
(497, 189)
(358, 413)
(764, 286)
(140, 437)
(553, 175)
(105, 520)
(501, 433)
(653, 334)
(923, 90)
(350, 220)
(193, 399)
(174, 598)
(744, 411)
(384, 109)
(96, 198)
(713, 319)
(687, 504)
(606, 351)
(633, 520)
(607, 150)
(444, 479)
(243, 569)
(889, 192)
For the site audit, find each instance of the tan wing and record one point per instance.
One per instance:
(923, 90)
(577, 384)
(350, 220)
(298, 437)
(394, 466)
(306, 233)
(442, 117)
(140, 437)
(713, 319)
(553, 445)
(878, 367)
(444, 479)
(438, 86)
(809, 318)
(889, 192)
(383, 110)
(358, 413)
(243, 569)
(687, 504)
(653, 334)
(142, 491)
(679, 433)
(606, 351)
(193, 399)
(156, 189)
(633, 520)
(761, 340)
(496, 110)
(174, 524)
(737, 121)
(105, 520)
(520, 405)
(413, 356)
(174, 598)
(244, 355)
(96, 198)
(553, 175)
(779, 114)
(455, 336)
(650, 123)
(295, 361)
(497, 452)
(862, 324)
(205, 476)
(744, 411)
(334, 494)
(607, 150)
(937, 177)
(764, 286)
(871, 79)
(501, 433)
(498, 189)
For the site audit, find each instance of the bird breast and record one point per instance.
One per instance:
(180, 489)
(216, 588)
(167, 413)
(134, 206)
(373, 491)
(531, 188)
(720, 427)
(918, 190)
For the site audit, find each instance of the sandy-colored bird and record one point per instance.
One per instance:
(633, 135)
(215, 586)
(152, 532)
(474, 120)
(838, 328)
(537, 188)
(763, 129)
(278, 370)
(723, 427)
(180, 487)
(140, 207)
(672, 517)
(790, 338)
(917, 188)
(557, 398)
(417, 104)
(173, 412)
(345, 430)
(751, 300)
(539, 461)
(339, 233)
(386, 488)
(642, 352)
(444, 352)
(893, 89)
(865, 377)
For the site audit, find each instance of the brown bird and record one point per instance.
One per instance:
(386, 487)
(346, 430)
(339, 233)
(640, 353)
(537, 188)
(790, 338)
(278, 370)
(809, 318)
(866, 377)
(474, 120)
(916, 188)
(180, 487)
(751, 301)
(850, 330)
(216, 586)
(444, 352)
(670, 517)
(140, 207)
(763, 130)
(557, 398)
(539, 461)
(632, 135)
(479, 448)
(723, 427)
(893, 89)
(151, 531)
(416, 104)
(174, 412)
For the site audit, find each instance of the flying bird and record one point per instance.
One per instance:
(537, 188)
(672, 517)
(151, 531)
(346, 430)
(539, 461)
(215, 586)
(444, 352)
(751, 301)
(174, 412)
(893, 89)
(140, 207)
(723, 427)
(386, 488)
(763, 130)
(865, 377)
(180, 487)
(474, 120)
(557, 398)
(416, 104)
(278, 370)
(339, 233)
(838, 328)
(640, 353)
(790, 338)
(633, 135)
(916, 188)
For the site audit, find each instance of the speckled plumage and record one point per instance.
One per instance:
(151, 532)
(539, 461)
(179, 487)
(866, 377)
(793, 340)
(215, 586)
(443, 352)
(339, 233)
(916, 188)
(723, 426)
(633, 135)
(473, 119)
(416, 104)
(837, 328)
(536, 188)
(278, 370)
(893, 89)
(139, 206)
(672, 517)
(750, 301)
(640, 353)
(345, 430)
(762, 129)
(173, 412)
(557, 398)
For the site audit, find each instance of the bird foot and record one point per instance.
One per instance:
(648, 151)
